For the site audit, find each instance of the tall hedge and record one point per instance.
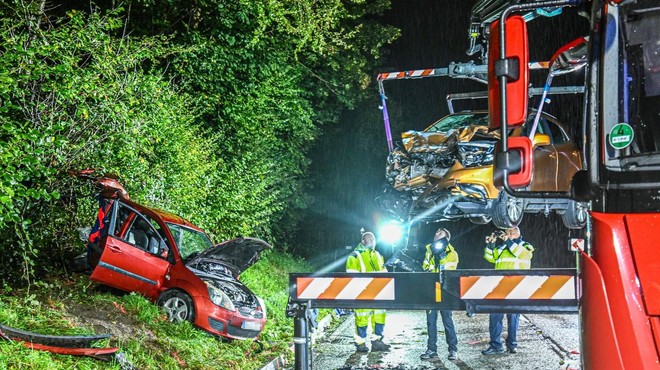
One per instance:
(206, 109)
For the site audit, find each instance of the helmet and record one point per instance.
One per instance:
(446, 232)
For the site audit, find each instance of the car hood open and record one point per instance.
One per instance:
(240, 253)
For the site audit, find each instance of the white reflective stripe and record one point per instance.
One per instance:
(527, 287)
(518, 264)
(567, 291)
(354, 287)
(376, 312)
(316, 287)
(352, 270)
(482, 287)
(451, 265)
(359, 257)
(387, 293)
(359, 313)
(516, 249)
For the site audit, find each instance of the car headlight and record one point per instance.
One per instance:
(263, 305)
(219, 298)
(476, 153)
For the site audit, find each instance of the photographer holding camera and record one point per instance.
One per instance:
(512, 253)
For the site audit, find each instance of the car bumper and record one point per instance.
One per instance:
(228, 324)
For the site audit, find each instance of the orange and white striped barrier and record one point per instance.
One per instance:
(517, 287)
(358, 288)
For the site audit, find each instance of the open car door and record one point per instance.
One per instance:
(134, 255)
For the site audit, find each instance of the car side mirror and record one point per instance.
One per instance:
(514, 65)
(540, 140)
(570, 57)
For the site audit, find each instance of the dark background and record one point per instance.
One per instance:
(349, 162)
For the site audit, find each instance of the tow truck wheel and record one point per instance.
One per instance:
(177, 305)
(575, 216)
(508, 211)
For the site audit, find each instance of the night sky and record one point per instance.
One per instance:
(349, 161)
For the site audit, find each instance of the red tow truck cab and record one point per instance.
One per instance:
(619, 282)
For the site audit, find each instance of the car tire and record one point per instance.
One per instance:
(508, 211)
(575, 216)
(480, 220)
(177, 305)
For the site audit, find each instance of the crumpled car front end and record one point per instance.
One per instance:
(448, 171)
(234, 311)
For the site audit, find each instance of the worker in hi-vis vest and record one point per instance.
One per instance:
(365, 258)
(512, 254)
(440, 255)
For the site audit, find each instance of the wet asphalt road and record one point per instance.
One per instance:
(544, 342)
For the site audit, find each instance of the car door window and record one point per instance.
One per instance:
(557, 135)
(142, 233)
(124, 216)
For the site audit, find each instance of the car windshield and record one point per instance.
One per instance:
(189, 241)
(455, 121)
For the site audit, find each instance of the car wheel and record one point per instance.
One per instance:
(575, 216)
(508, 211)
(178, 306)
(480, 220)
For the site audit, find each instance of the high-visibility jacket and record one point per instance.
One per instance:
(449, 262)
(515, 254)
(365, 259)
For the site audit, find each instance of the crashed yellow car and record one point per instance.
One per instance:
(446, 172)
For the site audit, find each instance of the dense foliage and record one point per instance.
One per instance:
(207, 109)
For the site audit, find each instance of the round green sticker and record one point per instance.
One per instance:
(621, 136)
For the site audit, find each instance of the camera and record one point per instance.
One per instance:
(492, 238)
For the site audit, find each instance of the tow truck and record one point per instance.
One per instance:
(615, 289)
(618, 284)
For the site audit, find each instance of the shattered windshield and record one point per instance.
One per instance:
(189, 241)
(454, 121)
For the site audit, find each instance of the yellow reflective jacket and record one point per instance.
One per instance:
(450, 262)
(516, 256)
(365, 259)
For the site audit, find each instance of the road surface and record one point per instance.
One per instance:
(545, 342)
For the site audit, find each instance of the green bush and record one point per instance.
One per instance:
(207, 110)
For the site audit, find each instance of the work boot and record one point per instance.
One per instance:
(428, 355)
(492, 351)
(452, 355)
(378, 345)
(512, 350)
(361, 347)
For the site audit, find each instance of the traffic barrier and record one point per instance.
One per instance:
(517, 287)
(359, 288)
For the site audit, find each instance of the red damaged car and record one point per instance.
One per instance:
(174, 263)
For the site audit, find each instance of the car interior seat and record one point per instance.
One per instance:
(138, 237)
(153, 245)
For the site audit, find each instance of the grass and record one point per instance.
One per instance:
(72, 305)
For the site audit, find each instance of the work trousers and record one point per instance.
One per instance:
(495, 327)
(432, 327)
(362, 318)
